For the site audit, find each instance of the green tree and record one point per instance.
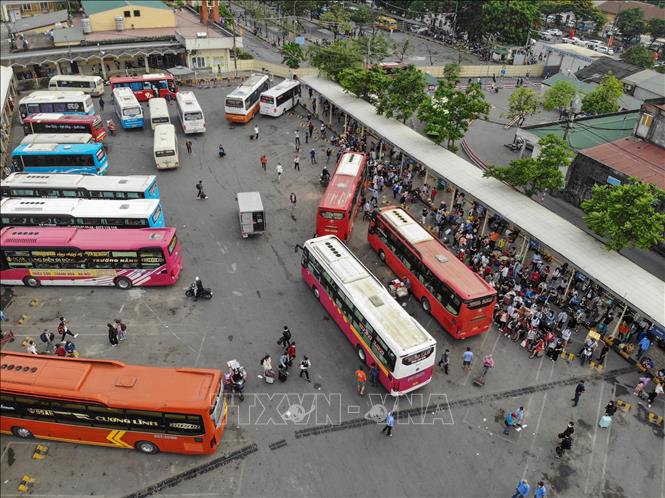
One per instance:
(604, 98)
(559, 96)
(374, 47)
(522, 102)
(584, 10)
(449, 112)
(363, 15)
(468, 19)
(403, 49)
(631, 24)
(511, 20)
(366, 84)
(418, 8)
(334, 58)
(626, 215)
(403, 95)
(292, 55)
(656, 29)
(536, 174)
(638, 55)
(337, 20)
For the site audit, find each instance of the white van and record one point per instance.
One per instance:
(159, 112)
(165, 147)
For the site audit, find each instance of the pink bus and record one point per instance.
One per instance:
(35, 256)
(380, 330)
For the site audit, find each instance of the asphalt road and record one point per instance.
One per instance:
(454, 449)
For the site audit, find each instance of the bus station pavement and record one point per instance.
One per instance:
(319, 438)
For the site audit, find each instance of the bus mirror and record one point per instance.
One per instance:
(295, 249)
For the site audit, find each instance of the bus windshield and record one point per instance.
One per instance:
(164, 153)
(193, 116)
(233, 103)
(131, 111)
(332, 215)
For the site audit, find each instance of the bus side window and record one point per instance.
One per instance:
(66, 193)
(108, 195)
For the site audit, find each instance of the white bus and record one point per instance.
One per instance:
(72, 102)
(190, 113)
(94, 85)
(165, 147)
(280, 98)
(159, 111)
(243, 102)
(127, 108)
(58, 138)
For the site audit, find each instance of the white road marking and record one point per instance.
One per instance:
(607, 451)
(593, 439)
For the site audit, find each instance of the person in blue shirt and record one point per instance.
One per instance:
(390, 423)
(522, 489)
(644, 346)
(467, 358)
(541, 490)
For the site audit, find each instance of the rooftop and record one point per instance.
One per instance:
(649, 80)
(595, 71)
(40, 21)
(92, 7)
(616, 6)
(575, 50)
(626, 102)
(632, 157)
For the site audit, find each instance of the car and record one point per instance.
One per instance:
(415, 28)
(592, 44)
(554, 32)
(604, 49)
(545, 35)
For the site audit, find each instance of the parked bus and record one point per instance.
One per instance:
(65, 123)
(280, 98)
(63, 102)
(125, 258)
(147, 86)
(80, 186)
(380, 330)
(165, 147)
(127, 108)
(58, 138)
(87, 159)
(159, 112)
(387, 23)
(457, 297)
(89, 213)
(94, 85)
(243, 102)
(190, 113)
(341, 201)
(110, 403)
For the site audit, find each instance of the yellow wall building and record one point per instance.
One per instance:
(135, 14)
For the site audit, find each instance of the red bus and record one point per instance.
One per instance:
(456, 296)
(341, 201)
(147, 86)
(109, 403)
(380, 330)
(48, 122)
(124, 257)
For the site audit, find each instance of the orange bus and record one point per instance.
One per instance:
(109, 403)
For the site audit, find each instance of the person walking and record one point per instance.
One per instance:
(256, 132)
(467, 359)
(30, 346)
(568, 431)
(374, 374)
(310, 128)
(291, 352)
(306, 136)
(445, 359)
(200, 194)
(293, 199)
(188, 144)
(361, 380)
(113, 335)
(296, 134)
(610, 408)
(522, 489)
(643, 347)
(48, 338)
(323, 131)
(279, 170)
(304, 367)
(121, 329)
(296, 162)
(565, 444)
(488, 364)
(541, 490)
(390, 423)
(101, 103)
(285, 340)
(264, 162)
(652, 395)
(63, 330)
(579, 389)
(312, 156)
(509, 422)
(328, 153)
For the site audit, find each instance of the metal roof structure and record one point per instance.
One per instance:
(638, 288)
(649, 80)
(34, 22)
(92, 7)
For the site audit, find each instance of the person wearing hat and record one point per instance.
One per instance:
(522, 489)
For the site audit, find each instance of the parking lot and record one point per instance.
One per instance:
(451, 446)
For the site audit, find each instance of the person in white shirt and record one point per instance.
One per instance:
(279, 170)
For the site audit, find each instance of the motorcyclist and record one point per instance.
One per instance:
(325, 175)
(222, 152)
(198, 287)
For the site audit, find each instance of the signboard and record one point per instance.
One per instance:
(613, 181)
(300, 40)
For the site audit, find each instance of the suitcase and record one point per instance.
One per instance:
(605, 421)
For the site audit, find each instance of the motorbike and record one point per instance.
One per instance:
(206, 293)
(324, 180)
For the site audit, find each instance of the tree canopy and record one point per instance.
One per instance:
(638, 55)
(511, 20)
(522, 102)
(404, 93)
(604, 98)
(337, 20)
(334, 58)
(374, 47)
(626, 215)
(631, 24)
(656, 29)
(366, 84)
(292, 55)
(559, 96)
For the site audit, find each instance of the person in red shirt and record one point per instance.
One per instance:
(291, 353)
(60, 350)
(361, 380)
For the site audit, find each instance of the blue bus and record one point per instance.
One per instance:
(90, 213)
(127, 108)
(80, 186)
(85, 159)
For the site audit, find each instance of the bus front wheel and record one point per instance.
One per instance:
(123, 283)
(316, 293)
(426, 305)
(146, 447)
(22, 432)
(361, 353)
(31, 282)
(382, 255)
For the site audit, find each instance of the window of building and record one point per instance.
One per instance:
(127, 13)
(137, 13)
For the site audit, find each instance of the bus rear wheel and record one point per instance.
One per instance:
(31, 282)
(427, 307)
(22, 432)
(146, 447)
(316, 293)
(382, 255)
(123, 283)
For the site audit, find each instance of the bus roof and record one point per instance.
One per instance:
(134, 183)
(30, 149)
(55, 116)
(75, 77)
(403, 333)
(248, 86)
(340, 191)
(52, 96)
(112, 383)
(141, 77)
(445, 266)
(187, 101)
(164, 136)
(125, 96)
(85, 238)
(57, 138)
(80, 208)
(280, 88)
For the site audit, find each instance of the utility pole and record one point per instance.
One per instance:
(233, 34)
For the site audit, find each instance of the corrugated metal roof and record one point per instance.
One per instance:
(649, 80)
(28, 23)
(92, 7)
(633, 157)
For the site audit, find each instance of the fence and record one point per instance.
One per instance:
(489, 70)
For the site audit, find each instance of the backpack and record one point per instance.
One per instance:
(61, 328)
(123, 327)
